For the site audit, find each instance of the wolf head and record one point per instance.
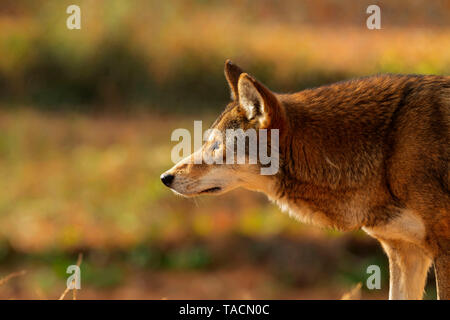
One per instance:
(253, 122)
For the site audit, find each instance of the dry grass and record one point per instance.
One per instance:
(11, 275)
(354, 294)
(39, 292)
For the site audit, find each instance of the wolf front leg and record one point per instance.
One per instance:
(408, 267)
(442, 271)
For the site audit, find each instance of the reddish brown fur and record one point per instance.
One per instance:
(386, 138)
(361, 153)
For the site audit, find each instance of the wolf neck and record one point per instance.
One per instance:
(332, 143)
(325, 159)
(313, 155)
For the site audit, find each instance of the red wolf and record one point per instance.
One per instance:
(370, 153)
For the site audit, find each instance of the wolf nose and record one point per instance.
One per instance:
(167, 179)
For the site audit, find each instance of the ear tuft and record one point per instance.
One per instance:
(250, 98)
(259, 103)
(232, 73)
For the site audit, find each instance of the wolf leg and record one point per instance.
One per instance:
(442, 271)
(408, 267)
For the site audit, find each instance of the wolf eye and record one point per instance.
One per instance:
(215, 146)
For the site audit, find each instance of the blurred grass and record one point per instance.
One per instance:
(169, 55)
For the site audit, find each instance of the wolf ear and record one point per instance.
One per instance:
(258, 102)
(232, 73)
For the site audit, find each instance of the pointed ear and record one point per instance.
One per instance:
(232, 73)
(258, 102)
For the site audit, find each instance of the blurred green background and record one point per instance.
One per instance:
(85, 123)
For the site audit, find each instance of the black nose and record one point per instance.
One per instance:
(167, 179)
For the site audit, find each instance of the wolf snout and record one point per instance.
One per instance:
(167, 179)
